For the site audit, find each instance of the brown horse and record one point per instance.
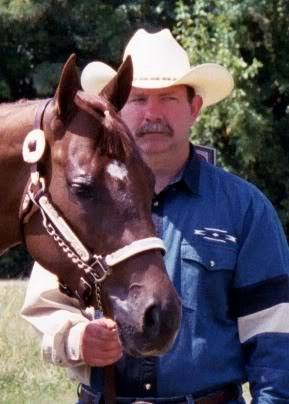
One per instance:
(85, 206)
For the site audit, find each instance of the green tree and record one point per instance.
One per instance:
(15, 264)
(251, 128)
(36, 38)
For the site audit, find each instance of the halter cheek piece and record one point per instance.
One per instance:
(96, 267)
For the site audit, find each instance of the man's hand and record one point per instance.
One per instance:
(100, 344)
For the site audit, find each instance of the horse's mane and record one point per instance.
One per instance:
(115, 139)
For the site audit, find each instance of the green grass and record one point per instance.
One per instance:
(24, 377)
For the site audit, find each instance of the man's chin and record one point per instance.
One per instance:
(150, 150)
(153, 143)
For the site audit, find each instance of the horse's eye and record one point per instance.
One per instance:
(82, 190)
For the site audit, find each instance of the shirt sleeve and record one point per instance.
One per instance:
(261, 297)
(56, 317)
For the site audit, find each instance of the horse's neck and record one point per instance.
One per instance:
(16, 121)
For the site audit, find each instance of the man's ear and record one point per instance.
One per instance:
(196, 105)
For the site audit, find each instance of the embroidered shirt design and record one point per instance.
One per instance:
(218, 235)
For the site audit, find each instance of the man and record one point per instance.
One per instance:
(226, 255)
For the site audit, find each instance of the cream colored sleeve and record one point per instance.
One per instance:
(56, 317)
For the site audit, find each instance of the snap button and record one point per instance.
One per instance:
(156, 203)
(212, 263)
(148, 386)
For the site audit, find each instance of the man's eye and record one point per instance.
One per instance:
(138, 100)
(170, 98)
(82, 190)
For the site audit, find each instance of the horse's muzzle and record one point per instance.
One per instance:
(149, 329)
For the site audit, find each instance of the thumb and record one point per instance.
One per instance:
(108, 323)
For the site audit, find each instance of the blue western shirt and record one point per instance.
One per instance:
(228, 258)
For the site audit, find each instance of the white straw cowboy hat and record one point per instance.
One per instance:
(159, 61)
(95, 76)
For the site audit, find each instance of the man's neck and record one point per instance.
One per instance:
(166, 166)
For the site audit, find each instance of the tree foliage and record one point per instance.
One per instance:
(15, 264)
(36, 38)
(251, 128)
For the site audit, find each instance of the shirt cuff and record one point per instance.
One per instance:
(73, 348)
(63, 348)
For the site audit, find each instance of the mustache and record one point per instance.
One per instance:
(155, 127)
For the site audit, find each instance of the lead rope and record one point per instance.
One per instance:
(109, 385)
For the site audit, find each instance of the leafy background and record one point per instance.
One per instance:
(250, 37)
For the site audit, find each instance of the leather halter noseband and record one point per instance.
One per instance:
(96, 267)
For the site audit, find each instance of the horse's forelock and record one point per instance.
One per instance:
(114, 138)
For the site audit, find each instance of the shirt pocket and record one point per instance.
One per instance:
(206, 270)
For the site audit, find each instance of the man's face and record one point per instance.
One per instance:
(160, 119)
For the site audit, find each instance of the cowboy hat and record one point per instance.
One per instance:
(95, 76)
(159, 61)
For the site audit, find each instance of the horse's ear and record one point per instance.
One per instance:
(118, 89)
(68, 86)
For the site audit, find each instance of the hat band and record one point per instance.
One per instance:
(155, 78)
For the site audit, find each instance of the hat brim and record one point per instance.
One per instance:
(210, 80)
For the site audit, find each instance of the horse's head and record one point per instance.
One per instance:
(97, 181)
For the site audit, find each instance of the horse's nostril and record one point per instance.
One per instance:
(152, 319)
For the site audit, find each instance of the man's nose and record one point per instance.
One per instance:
(154, 110)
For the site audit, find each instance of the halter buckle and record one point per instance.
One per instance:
(105, 270)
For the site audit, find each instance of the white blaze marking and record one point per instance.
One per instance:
(117, 170)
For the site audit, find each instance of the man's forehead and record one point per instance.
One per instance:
(159, 91)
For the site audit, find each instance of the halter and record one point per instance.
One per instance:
(96, 267)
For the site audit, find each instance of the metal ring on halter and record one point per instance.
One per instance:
(100, 263)
(33, 146)
(41, 183)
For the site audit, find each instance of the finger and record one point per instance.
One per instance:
(98, 358)
(99, 330)
(101, 363)
(108, 362)
(108, 323)
(104, 346)
(105, 355)
(100, 345)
